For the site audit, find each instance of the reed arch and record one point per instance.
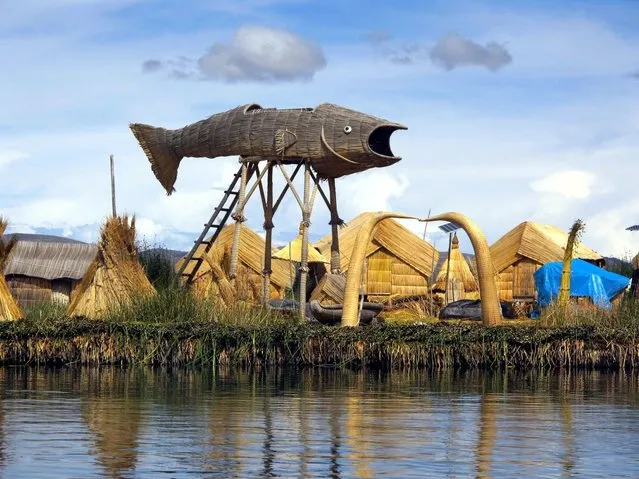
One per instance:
(490, 304)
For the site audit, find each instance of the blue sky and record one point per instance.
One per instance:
(534, 118)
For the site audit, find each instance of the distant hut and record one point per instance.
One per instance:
(399, 262)
(249, 270)
(9, 309)
(116, 276)
(44, 268)
(456, 276)
(291, 257)
(524, 249)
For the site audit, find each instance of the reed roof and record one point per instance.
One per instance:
(250, 253)
(9, 309)
(459, 269)
(539, 242)
(115, 276)
(293, 252)
(390, 235)
(50, 260)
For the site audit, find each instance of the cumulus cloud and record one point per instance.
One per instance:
(253, 54)
(450, 52)
(573, 184)
(453, 51)
(373, 191)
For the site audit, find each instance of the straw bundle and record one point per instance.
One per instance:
(116, 276)
(460, 277)
(9, 309)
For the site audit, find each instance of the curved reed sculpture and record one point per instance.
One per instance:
(490, 307)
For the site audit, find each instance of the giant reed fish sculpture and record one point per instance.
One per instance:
(338, 141)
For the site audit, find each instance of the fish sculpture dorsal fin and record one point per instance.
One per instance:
(284, 139)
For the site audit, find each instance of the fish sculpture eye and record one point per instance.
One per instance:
(347, 129)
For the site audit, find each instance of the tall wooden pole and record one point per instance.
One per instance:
(305, 224)
(268, 245)
(112, 186)
(335, 223)
(450, 247)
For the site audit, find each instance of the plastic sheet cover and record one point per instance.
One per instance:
(586, 280)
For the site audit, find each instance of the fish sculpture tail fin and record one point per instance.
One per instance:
(157, 146)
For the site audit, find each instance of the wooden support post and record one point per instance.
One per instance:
(239, 218)
(450, 246)
(306, 209)
(268, 226)
(112, 186)
(335, 223)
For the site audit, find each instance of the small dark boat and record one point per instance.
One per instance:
(332, 314)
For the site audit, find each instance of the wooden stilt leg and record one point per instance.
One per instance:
(305, 224)
(335, 223)
(239, 218)
(268, 226)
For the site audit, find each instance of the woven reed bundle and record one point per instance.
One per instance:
(116, 276)
(9, 309)
(458, 270)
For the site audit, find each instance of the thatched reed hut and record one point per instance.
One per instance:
(524, 249)
(399, 263)
(455, 277)
(290, 256)
(116, 276)
(9, 309)
(44, 268)
(249, 271)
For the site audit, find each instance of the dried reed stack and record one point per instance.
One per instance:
(116, 276)
(9, 309)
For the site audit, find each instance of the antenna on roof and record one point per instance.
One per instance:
(112, 186)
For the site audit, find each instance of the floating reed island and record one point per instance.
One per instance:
(171, 330)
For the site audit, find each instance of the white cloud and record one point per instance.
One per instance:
(373, 191)
(254, 54)
(572, 184)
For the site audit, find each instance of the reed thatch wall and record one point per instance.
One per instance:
(250, 264)
(398, 261)
(524, 249)
(41, 271)
(30, 292)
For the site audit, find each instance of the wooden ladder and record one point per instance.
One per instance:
(223, 211)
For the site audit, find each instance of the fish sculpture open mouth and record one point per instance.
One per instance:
(379, 141)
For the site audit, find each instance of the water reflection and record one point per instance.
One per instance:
(111, 422)
(112, 408)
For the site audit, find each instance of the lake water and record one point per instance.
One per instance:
(146, 423)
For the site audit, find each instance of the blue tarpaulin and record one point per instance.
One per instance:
(586, 280)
